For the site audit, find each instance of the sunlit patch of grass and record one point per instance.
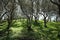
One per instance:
(16, 31)
(3, 25)
(17, 24)
(51, 25)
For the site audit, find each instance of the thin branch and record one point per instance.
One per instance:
(42, 14)
(22, 8)
(5, 4)
(54, 2)
(3, 15)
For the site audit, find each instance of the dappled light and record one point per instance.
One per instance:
(29, 19)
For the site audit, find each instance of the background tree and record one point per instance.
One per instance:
(27, 10)
(57, 3)
(9, 7)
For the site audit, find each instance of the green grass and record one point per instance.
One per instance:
(19, 30)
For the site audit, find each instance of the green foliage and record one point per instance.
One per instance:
(3, 25)
(19, 30)
(37, 23)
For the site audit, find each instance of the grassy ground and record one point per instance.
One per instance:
(18, 31)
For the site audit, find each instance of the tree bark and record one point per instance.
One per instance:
(58, 5)
(45, 22)
(59, 9)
